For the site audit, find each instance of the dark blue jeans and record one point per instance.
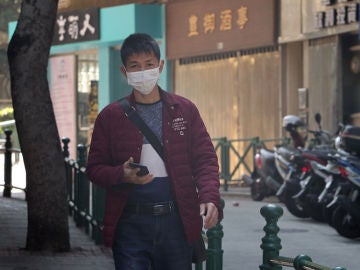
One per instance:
(146, 242)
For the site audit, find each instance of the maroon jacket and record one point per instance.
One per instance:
(189, 155)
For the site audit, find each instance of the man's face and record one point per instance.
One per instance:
(142, 61)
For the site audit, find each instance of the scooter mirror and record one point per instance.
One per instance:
(318, 118)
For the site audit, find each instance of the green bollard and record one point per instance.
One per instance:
(214, 235)
(271, 243)
(7, 165)
(299, 261)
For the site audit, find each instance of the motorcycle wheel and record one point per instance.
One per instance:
(294, 206)
(344, 224)
(257, 190)
(314, 209)
(328, 213)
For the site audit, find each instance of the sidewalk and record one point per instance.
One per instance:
(235, 192)
(243, 232)
(84, 255)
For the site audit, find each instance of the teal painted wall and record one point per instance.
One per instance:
(155, 15)
(151, 15)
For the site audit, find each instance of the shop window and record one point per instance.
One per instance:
(87, 95)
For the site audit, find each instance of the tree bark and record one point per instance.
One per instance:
(28, 54)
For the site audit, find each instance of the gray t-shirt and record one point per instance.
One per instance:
(159, 189)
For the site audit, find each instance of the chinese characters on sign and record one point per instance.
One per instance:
(339, 15)
(223, 21)
(77, 26)
(196, 28)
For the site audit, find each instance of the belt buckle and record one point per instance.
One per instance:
(158, 209)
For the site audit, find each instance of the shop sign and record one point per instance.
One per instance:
(62, 92)
(339, 12)
(77, 26)
(201, 27)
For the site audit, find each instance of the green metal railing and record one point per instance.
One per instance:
(271, 246)
(236, 156)
(8, 150)
(86, 201)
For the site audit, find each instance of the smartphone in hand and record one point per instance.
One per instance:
(143, 169)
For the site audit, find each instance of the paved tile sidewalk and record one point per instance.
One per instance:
(13, 225)
(84, 254)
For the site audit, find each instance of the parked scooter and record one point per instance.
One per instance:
(346, 215)
(299, 180)
(265, 179)
(318, 191)
(326, 182)
(346, 202)
(303, 189)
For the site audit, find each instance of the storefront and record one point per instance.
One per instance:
(84, 66)
(320, 59)
(225, 58)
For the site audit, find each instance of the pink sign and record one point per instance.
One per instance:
(62, 92)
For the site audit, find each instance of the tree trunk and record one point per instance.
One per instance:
(28, 54)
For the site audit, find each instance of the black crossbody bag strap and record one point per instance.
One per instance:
(131, 113)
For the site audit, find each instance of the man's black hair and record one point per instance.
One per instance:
(139, 43)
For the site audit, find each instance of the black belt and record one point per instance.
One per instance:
(157, 209)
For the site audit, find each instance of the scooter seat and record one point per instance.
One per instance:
(319, 155)
(266, 153)
(286, 152)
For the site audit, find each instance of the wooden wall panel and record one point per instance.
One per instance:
(324, 93)
(259, 96)
(237, 97)
(212, 86)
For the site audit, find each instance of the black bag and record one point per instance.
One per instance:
(199, 251)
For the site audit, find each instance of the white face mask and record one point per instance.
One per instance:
(143, 81)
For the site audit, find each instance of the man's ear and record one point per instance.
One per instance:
(123, 71)
(161, 65)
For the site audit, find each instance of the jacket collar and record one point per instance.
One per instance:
(166, 97)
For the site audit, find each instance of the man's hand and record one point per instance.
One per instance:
(131, 177)
(210, 212)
